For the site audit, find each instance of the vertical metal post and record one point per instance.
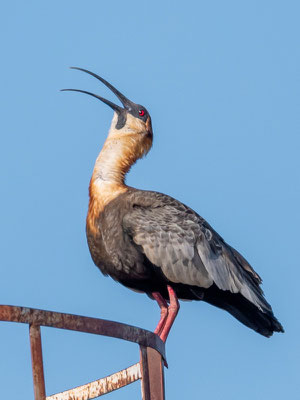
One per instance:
(152, 371)
(37, 362)
(145, 373)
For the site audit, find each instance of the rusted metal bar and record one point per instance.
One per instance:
(101, 386)
(152, 371)
(156, 374)
(96, 326)
(37, 362)
(152, 353)
(145, 373)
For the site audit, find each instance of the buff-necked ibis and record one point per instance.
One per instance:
(153, 243)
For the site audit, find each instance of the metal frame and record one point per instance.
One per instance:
(150, 369)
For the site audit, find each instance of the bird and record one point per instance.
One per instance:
(154, 244)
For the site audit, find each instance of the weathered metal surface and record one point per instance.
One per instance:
(156, 375)
(97, 326)
(149, 370)
(152, 371)
(37, 362)
(145, 373)
(101, 386)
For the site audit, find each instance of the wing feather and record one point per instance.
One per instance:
(188, 251)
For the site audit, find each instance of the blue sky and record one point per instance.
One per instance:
(221, 81)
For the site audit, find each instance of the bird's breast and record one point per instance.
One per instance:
(110, 248)
(101, 194)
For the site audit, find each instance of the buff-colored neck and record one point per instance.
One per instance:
(111, 166)
(107, 181)
(120, 151)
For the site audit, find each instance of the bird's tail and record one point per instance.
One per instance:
(242, 309)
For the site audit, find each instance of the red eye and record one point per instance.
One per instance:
(141, 113)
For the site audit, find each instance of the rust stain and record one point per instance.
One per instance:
(37, 362)
(101, 386)
(33, 316)
(152, 349)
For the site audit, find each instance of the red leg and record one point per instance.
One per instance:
(172, 313)
(163, 305)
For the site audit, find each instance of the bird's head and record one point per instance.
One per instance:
(131, 122)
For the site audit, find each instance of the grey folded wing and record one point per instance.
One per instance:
(188, 251)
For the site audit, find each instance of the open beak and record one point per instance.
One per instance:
(126, 102)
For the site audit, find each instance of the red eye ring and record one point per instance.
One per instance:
(141, 113)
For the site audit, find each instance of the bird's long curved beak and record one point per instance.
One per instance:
(126, 102)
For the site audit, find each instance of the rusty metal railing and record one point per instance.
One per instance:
(150, 369)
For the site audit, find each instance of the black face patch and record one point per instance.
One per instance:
(135, 110)
(121, 119)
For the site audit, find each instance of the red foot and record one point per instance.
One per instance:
(163, 312)
(168, 313)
